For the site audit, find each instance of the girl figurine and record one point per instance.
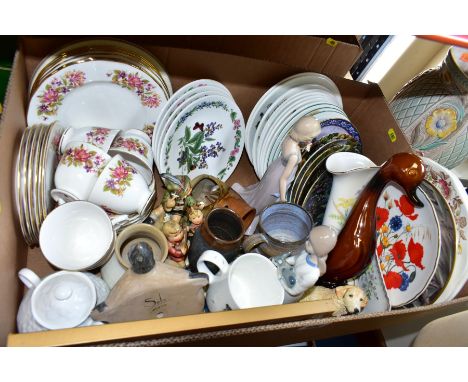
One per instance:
(176, 237)
(275, 182)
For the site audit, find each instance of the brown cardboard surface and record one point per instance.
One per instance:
(248, 79)
(312, 53)
(13, 252)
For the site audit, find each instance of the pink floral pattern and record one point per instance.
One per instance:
(97, 136)
(131, 145)
(120, 178)
(81, 156)
(55, 91)
(143, 88)
(149, 130)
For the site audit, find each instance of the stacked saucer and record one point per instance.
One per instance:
(283, 105)
(200, 130)
(37, 159)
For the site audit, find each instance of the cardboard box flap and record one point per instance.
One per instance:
(332, 55)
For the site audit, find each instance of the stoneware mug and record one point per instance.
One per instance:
(234, 202)
(134, 146)
(222, 230)
(120, 188)
(98, 136)
(78, 171)
(250, 281)
(282, 228)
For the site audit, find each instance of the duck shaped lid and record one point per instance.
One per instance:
(63, 300)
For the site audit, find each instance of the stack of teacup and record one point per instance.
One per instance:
(110, 168)
(104, 177)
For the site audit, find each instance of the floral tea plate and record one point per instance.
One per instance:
(448, 252)
(407, 245)
(206, 138)
(97, 93)
(454, 193)
(279, 89)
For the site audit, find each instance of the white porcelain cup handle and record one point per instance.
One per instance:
(29, 278)
(213, 257)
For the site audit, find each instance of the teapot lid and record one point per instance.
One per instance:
(63, 300)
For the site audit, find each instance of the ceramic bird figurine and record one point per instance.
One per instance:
(356, 242)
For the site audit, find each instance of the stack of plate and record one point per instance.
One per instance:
(283, 105)
(312, 184)
(102, 83)
(200, 131)
(34, 175)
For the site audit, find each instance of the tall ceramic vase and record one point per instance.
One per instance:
(431, 110)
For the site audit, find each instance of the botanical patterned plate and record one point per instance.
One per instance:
(276, 91)
(371, 282)
(206, 138)
(98, 93)
(408, 244)
(454, 193)
(176, 99)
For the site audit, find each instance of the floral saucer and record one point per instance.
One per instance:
(449, 243)
(408, 244)
(207, 137)
(98, 93)
(454, 193)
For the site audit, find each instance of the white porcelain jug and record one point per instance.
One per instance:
(351, 173)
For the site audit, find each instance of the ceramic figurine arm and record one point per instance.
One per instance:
(292, 163)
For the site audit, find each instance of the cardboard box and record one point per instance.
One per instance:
(247, 78)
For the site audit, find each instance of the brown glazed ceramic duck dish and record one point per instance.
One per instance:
(356, 242)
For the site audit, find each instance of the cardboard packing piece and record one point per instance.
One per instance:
(247, 78)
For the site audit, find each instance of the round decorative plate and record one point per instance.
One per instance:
(206, 138)
(277, 90)
(176, 99)
(408, 244)
(448, 252)
(454, 193)
(98, 93)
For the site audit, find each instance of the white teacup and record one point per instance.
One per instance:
(135, 147)
(101, 137)
(120, 188)
(77, 236)
(78, 171)
(249, 281)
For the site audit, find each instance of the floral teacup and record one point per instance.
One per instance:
(98, 136)
(135, 147)
(78, 170)
(120, 188)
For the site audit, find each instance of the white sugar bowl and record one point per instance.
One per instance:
(59, 301)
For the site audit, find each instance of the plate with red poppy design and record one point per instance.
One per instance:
(98, 93)
(408, 244)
